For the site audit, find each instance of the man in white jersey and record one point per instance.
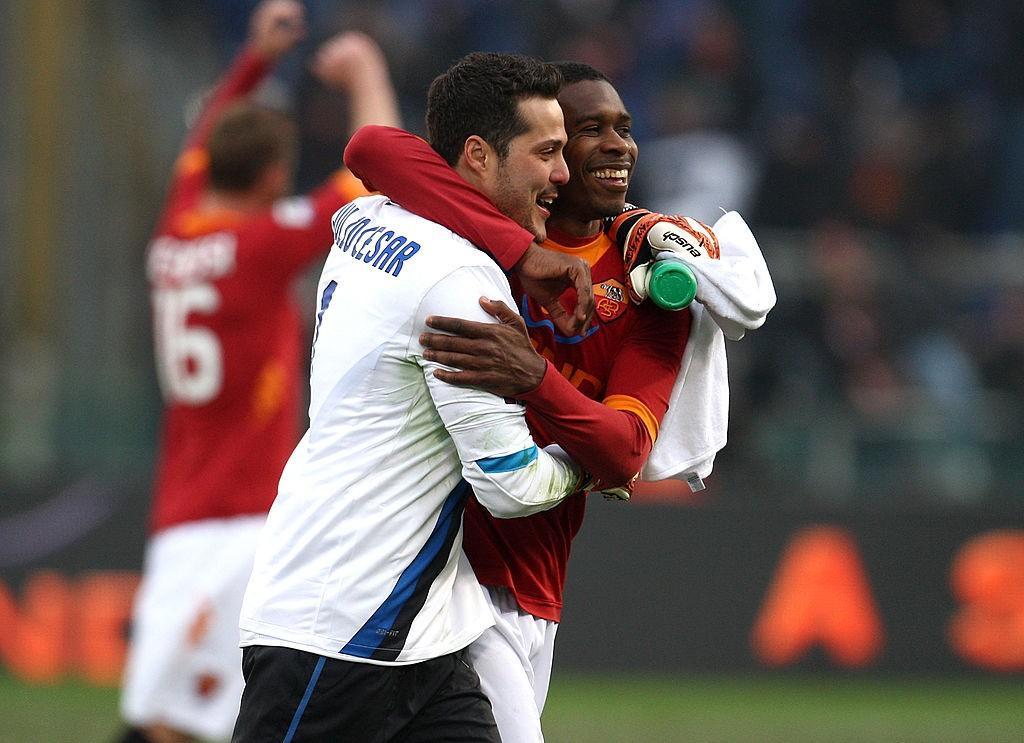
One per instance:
(361, 600)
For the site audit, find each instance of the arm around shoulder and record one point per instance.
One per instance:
(410, 172)
(510, 475)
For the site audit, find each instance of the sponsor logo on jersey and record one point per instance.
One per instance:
(175, 261)
(610, 299)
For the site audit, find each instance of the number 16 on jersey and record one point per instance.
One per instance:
(189, 358)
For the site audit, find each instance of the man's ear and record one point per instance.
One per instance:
(477, 155)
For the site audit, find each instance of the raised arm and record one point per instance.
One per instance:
(275, 28)
(299, 228)
(353, 62)
(409, 171)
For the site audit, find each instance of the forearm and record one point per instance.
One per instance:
(353, 63)
(611, 444)
(410, 172)
(509, 474)
(373, 101)
(540, 483)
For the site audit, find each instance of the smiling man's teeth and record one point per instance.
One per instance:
(611, 174)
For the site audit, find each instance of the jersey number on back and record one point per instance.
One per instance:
(189, 360)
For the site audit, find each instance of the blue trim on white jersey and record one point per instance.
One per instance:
(300, 710)
(509, 462)
(524, 310)
(325, 302)
(413, 581)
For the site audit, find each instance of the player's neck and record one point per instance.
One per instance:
(573, 227)
(245, 203)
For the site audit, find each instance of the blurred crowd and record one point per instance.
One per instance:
(905, 116)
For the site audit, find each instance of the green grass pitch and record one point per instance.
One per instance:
(640, 709)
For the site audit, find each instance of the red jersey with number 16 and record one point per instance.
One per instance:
(227, 331)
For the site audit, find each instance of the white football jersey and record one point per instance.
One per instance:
(361, 557)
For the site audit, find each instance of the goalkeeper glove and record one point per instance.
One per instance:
(622, 492)
(646, 237)
(588, 483)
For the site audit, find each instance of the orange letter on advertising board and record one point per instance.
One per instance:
(35, 644)
(62, 625)
(820, 596)
(988, 579)
(104, 609)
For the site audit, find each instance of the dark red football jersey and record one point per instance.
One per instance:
(227, 332)
(628, 359)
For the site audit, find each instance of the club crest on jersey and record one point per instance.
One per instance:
(610, 299)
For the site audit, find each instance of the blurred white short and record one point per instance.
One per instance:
(184, 663)
(513, 660)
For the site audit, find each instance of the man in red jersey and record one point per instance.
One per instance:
(229, 358)
(601, 394)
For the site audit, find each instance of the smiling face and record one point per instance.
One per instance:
(527, 179)
(600, 154)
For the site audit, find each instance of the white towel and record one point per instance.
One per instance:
(736, 289)
(734, 295)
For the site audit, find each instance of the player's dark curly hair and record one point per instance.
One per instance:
(245, 140)
(479, 95)
(575, 72)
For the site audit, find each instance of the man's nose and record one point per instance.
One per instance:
(560, 172)
(614, 142)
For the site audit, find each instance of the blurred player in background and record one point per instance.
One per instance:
(606, 409)
(229, 354)
(361, 602)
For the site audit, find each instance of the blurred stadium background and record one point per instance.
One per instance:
(855, 569)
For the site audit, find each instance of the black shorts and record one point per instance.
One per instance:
(297, 697)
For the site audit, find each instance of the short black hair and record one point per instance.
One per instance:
(245, 141)
(576, 72)
(480, 95)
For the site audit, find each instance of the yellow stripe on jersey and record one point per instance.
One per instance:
(194, 223)
(192, 161)
(632, 405)
(346, 184)
(269, 392)
(591, 251)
